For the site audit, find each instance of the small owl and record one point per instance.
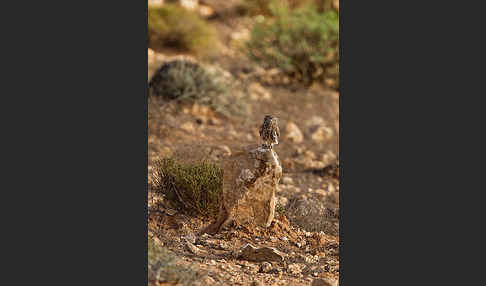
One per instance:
(269, 131)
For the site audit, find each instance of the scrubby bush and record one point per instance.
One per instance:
(262, 7)
(162, 267)
(193, 188)
(171, 26)
(302, 42)
(189, 82)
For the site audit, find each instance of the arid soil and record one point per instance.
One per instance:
(306, 227)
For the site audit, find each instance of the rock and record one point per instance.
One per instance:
(314, 121)
(208, 280)
(188, 126)
(293, 133)
(258, 92)
(156, 2)
(295, 268)
(282, 201)
(250, 180)
(324, 282)
(321, 134)
(257, 283)
(218, 152)
(192, 248)
(265, 253)
(287, 180)
(206, 11)
(189, 4)
(265, 267)
(190, 238)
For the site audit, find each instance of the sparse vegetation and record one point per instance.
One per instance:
(171, 26)
(163, 267)
(302, 42)
(193, 188)
(262, 7)
(188, 82)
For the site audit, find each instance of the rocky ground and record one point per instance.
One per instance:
(303, 239)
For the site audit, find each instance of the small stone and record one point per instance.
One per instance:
(293, 133)
(314, 121)
(208, 280)
(265, 267)
(322, 133)
(324, 282)
(188, 126)
(287, 180)
(282, 201)
(190, 238)
(258, 92)
(257, 283)
(295, 268)
(192, 248)
(206, 11)
(265, 253)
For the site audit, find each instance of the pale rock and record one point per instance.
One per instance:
(189, 4)
(242, 35)
(250, 180)
(331, 188)
(219, 152)
(314, 121)
(208, 280)
(282, 201)
(192, 248)
(156, 2)
(287, 180)
(295, 268)
(188, 126)
(265, 267)
(321, 134)
(206, 11)
(258, 92)
(293, 133)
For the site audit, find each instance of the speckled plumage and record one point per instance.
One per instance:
(269, 131)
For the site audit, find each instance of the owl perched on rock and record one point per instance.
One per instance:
(269, 131)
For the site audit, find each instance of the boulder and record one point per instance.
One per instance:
(265, 253)
(250, 179)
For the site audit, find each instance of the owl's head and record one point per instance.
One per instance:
(270, 118)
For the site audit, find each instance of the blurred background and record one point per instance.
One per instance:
(216, 68)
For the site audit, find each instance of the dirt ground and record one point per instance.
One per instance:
(306, 227)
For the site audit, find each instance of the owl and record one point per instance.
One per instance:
(269, 131)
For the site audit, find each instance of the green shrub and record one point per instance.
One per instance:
(262, 7)
(162, 267)
(301, 42)
(188, 82)
(171, 26)
(193, 188)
